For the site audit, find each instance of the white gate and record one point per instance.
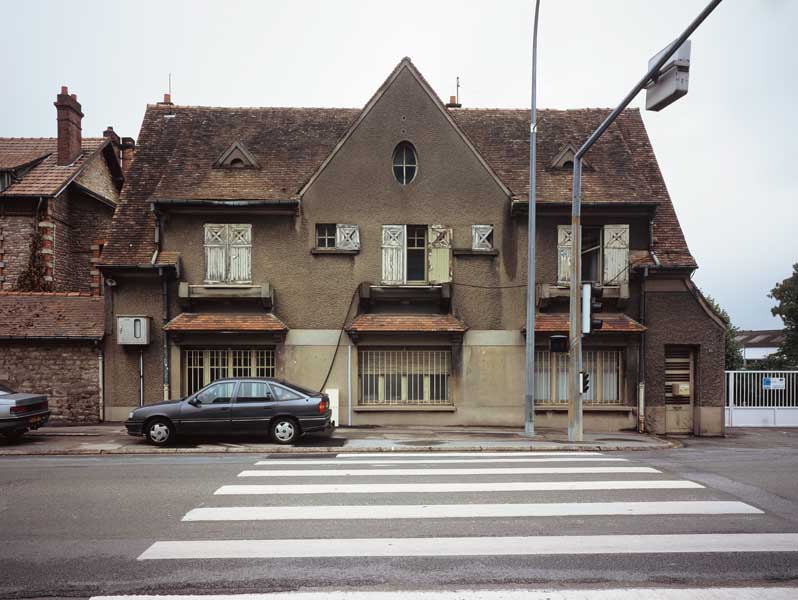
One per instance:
(761, 398)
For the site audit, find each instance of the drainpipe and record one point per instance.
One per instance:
(349, 381)
(101, 375)
(165, 334)
(141, 377)
(641, 367)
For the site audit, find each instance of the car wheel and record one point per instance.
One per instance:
(284, 430)
(159, 432)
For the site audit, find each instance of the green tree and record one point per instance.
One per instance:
(786, 294)
(733, 353)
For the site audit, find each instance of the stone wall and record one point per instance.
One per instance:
(67, 372)
(16, 232)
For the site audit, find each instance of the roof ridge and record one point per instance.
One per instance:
(211, 107)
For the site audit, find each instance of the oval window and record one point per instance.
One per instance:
(405, 163)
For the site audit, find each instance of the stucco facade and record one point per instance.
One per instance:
(456, 356)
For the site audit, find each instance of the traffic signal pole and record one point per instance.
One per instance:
(575, 429)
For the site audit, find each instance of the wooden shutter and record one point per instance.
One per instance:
(215, 252)
(564, 241)
(240, 240)
(616, 254)
(393, 254)
(482, 237)
(439, 244)
(347, 237)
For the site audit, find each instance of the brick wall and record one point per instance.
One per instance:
(79, 222)
(15, 240)
(67, 372)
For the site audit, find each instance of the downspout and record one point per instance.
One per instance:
(641, 367)
(349, 382)
(164, 311)
(101, 380)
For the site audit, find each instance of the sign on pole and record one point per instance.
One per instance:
(773, 383)
(673, 78)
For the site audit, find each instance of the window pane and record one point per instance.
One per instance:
(284, 394)
(253, 391)
(416, 263)
(242, 363)
(220, 393)
(410, 173)
(399, 173)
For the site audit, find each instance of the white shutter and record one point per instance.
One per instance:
(439, 243)
(347, 237)
(393, 254)
(482, 237)
(215, 252)
(564, 241)
(240, 240)
(616, 254)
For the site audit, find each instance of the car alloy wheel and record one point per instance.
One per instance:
(285, 431)
(159, 432)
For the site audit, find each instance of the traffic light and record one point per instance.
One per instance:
(590, 306)
(584, 382)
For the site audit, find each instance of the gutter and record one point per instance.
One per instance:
(77, 338)
(189, 202)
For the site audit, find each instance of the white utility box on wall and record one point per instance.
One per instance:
(133, 330)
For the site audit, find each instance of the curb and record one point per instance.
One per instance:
(147, 451)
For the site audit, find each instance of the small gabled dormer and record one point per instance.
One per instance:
(564, 160)
(236, 157)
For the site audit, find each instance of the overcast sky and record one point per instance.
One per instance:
(724, 149)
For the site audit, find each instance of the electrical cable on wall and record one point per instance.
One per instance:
(340, 335)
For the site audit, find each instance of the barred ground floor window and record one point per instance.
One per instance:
(202, 366)
(404, 376)
(606, 369)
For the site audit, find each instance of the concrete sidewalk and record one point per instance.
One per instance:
(111, 438)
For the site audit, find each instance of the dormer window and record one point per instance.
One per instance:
(236, 157)
(564, 161)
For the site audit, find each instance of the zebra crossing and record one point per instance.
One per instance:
(462, 487)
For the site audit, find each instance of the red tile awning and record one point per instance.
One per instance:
(406, 323)
(222, 322)
(612, 323)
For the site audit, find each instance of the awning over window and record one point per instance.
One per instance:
(406, 323)
(612, 323)
(222, 322)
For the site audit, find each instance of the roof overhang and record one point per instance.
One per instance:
(278, 206)
(237, 323)
(603, 208)
(613, 323)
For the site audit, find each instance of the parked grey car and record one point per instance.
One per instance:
(21, 412)
(240, 405)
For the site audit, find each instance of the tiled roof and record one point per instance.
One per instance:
(167, 257)
(763, 338)
(47, 177)
(406, 323)
(178, 146)
(623, 166)
(51, 315)
(218, 322)
(612, 323)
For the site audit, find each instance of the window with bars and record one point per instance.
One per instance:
(201, 367)
(606, 377)
(404, 377)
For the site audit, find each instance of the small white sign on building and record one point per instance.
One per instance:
(773, 383)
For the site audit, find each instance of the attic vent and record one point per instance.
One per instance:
(236, 157)
(565, 160)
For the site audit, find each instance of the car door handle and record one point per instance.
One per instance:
(224, 408)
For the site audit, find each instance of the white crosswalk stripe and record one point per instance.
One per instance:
(469, 511)
(443, 488)
(455, 488)
(438, 472)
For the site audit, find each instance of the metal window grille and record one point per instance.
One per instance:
(404, 377)
(606, 377)
(201, 367)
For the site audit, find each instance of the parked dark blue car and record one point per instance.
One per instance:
(240, 405)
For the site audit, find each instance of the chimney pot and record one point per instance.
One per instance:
(64, 90)
(73, 96)
(452, 99)
(167, 98)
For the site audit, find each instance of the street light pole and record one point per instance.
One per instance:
(529, 391)
(575, 430)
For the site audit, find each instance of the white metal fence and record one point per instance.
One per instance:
(762, 398)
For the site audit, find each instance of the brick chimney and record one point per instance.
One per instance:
(69, 129)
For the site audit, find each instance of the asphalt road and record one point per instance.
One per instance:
(84, 526)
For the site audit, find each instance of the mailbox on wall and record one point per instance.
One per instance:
(133, 330)
(680, 389)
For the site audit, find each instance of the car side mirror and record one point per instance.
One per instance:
(194, 402)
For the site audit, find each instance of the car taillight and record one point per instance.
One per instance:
(324, 405)
(28, 408)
